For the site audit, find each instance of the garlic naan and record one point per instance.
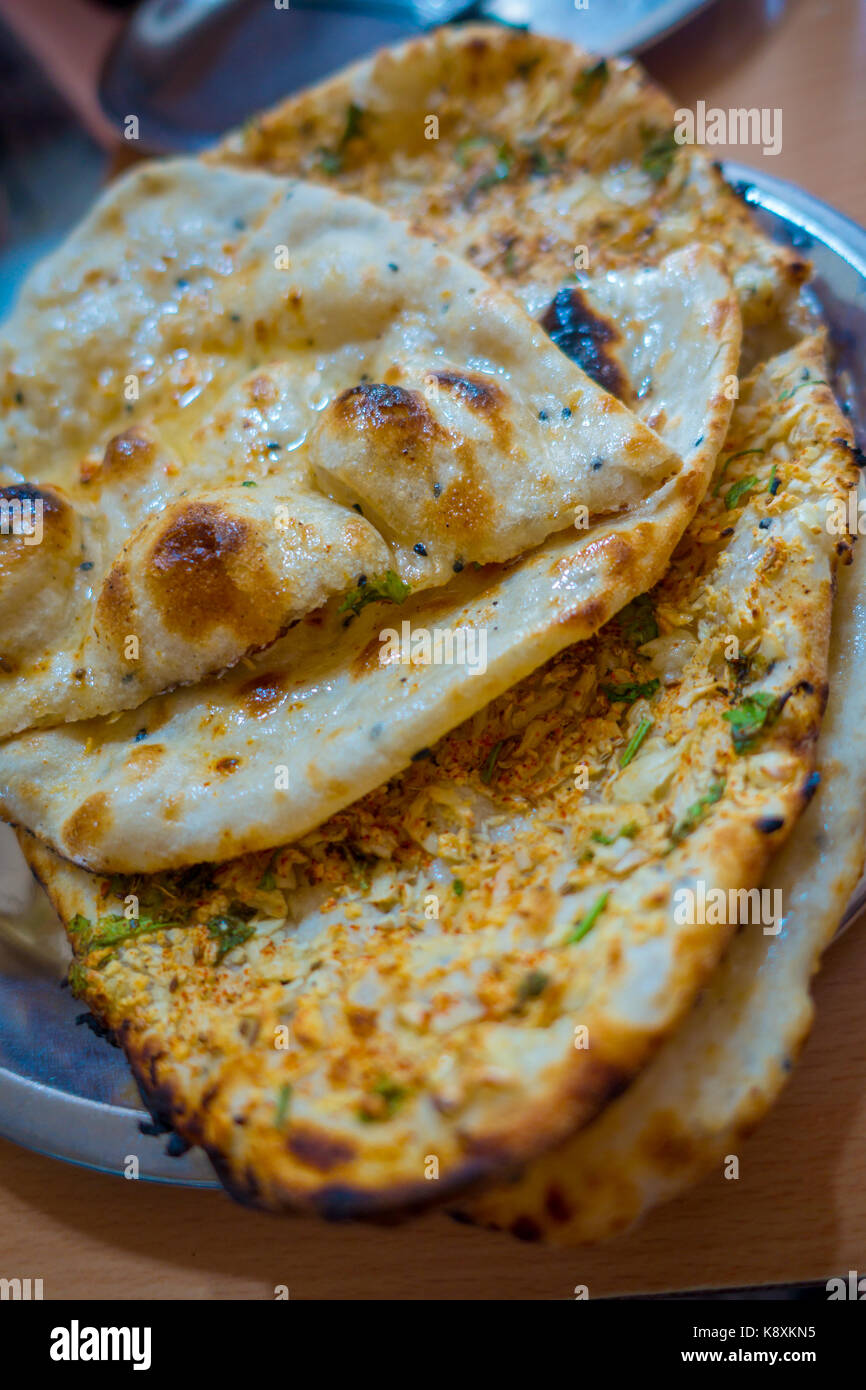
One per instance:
(321, 396)
(725, 1066)
(528, 156)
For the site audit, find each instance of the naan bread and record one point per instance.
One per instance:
(402, 987)
(278, 744)
(714, 1080)
(376, 405)
(528, 156)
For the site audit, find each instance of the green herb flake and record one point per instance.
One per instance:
(693, 816)
(468, 145)
(331, 160)
(773, 484)
(637, 621)
(533, 984)
(726, 465)
(228, 932)
(733, 495)
(588, 921)
(627, 831)
(539, 164)
(77, 979)
(393, 1095)
(489, 766)
(591, 80)
(635, 741)
(284, 1096)
(248, 482)
(389, 588)
(628, 693)
(750, 717)
(660, 148)
(459, 887)
(807, 381)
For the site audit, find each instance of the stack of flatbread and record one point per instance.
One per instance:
(416, 703)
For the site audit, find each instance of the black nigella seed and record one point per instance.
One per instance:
(142, 733)
(596, 464)
(768, 825)
(181, 283)
(810, 786)
(437, 489)
(356, 506)
(273, 444)
(86, 565)
(457, 566)
(765, 523)
(566, 412)
(542, 414)
(392, 265)
(728, 531)
(699, 440)
(362, 579)
(419, 548)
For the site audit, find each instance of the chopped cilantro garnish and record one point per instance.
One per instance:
(459, 887)
(807, 381)
(248, 482)
(591, 80)
(500, 171)
(726, 465)
(539, 164)
(114, 929)
(393, 1095)
(464, 148)
(773, 484)
(631, 691)
(660, 148)
(637, 621)
(629, 830)
(228, 932)
(331, 161)
(635, 741)
(487, 773)
(696, 812)
(77, 979)
(284, 1096)
(390, 588)
(738, 490)
(749, 718)
(588, 921)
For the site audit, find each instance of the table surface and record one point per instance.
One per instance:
(799, 1209)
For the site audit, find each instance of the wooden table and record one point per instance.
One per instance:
(799, 1209)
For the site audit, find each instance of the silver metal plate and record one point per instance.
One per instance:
(601, 26)
(65, 1091)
